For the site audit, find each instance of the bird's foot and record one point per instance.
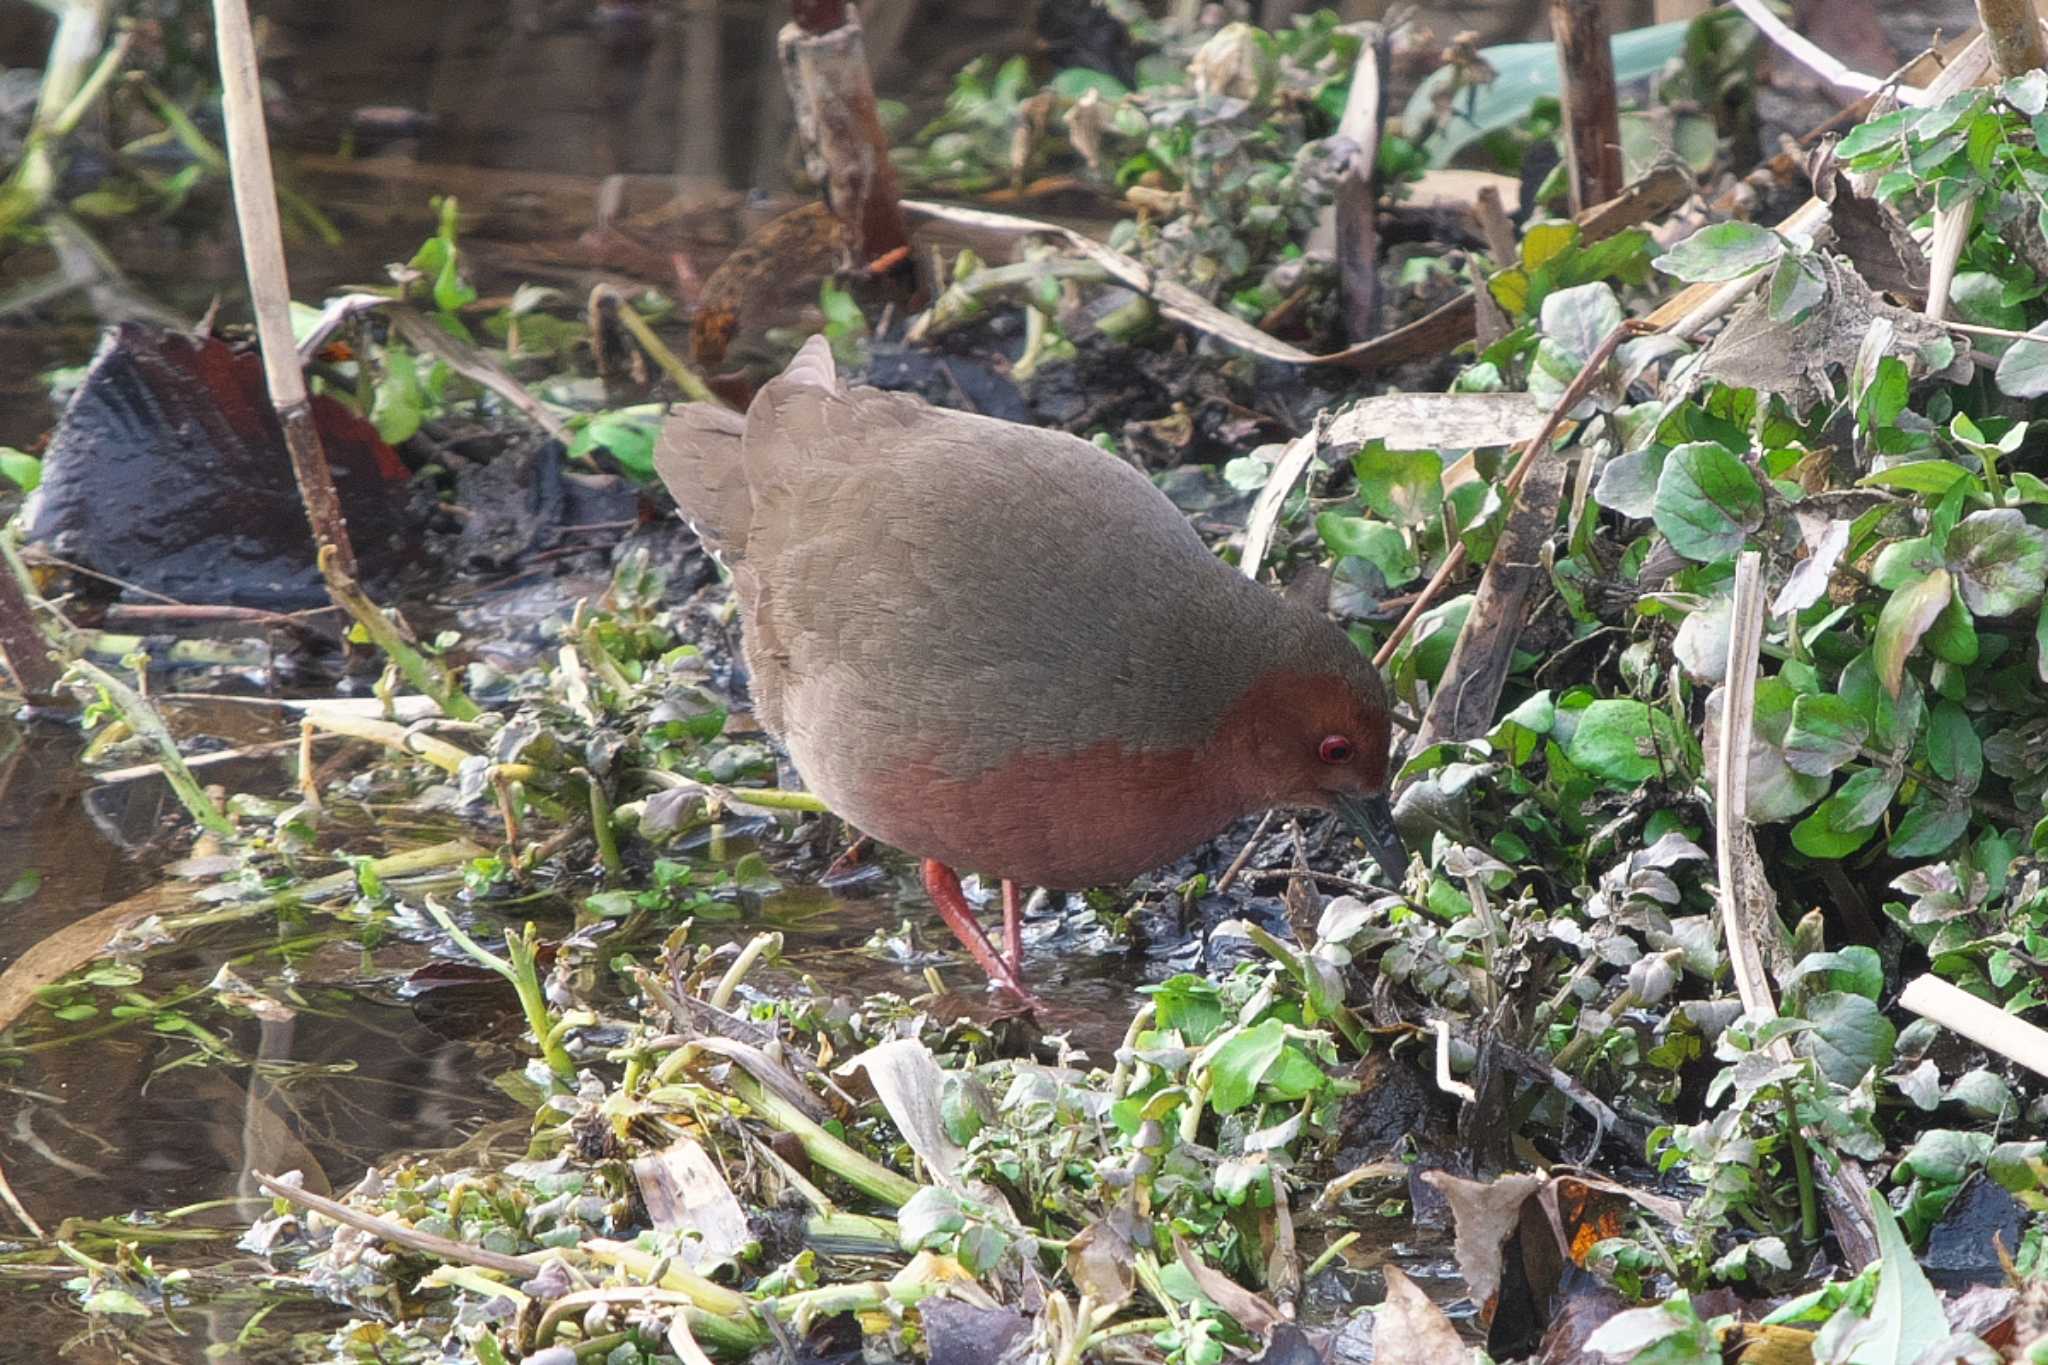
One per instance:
(943, 885)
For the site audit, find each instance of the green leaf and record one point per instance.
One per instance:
(1377, 543)
(1796, 288)
(23, 470)
(1905, 618)
(1723, 251)
(1879, 134)
(1707, 501)
(1855, 969)
(930, 1217)
(1850, 1036)
(1242, 1062)
(629, 440)
(1624, 742)
(1919, 476)
(1906, 1313)
(1077, 81)
(2027, 93)
(2000, 562)
(1825, 733)
(1930, 827)
(611, 904)
(1525, 72)
(1402, 486)
(1953, 636)
(1189, 1005)
(399, 404)
(118, 1302)
(22, 887)
(1954, 750)
(2023, 369)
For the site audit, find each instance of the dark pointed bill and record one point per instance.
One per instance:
(1371, 818)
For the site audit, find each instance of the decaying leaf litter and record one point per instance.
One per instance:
(1722, 475)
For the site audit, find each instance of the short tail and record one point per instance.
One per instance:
(699, 458)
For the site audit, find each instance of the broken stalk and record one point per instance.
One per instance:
(269, 287)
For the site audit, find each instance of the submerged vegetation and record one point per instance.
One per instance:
(1704, 551)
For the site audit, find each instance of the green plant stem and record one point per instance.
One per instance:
(1330, 1253)
(519, 967)
(686, 379)
(143, 719)
(423, 674)
(868, 1176)
(967, 300)
(601, 828)
(1802, 1167)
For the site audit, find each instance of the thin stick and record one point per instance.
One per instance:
(1512, 485)
(270, 293)
(398, 1234)
(1980, 1021)
(1592, 109)
(1244, 855)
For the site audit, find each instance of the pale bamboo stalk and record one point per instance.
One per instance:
(270, 296)
(1980, 1021)
(1744, 901)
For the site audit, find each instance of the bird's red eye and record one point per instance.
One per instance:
(1335, 749)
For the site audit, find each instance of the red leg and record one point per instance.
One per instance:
(943, 885)
(1013, 928)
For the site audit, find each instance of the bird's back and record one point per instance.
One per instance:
(933, 591)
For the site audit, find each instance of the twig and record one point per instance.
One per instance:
(113, 776)
(1980, 1021)
(1592, 108)
(1814, 58)
(1463, 704)
(398, 1234)
(28, 1220)
(447, 757)
(431, 339)
(1244, 855)
(1745, 897)
(1511, 486)
(270, 293)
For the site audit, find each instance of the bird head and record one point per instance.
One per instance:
(1321, 736)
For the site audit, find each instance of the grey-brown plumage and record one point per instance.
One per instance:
(1001, 648)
